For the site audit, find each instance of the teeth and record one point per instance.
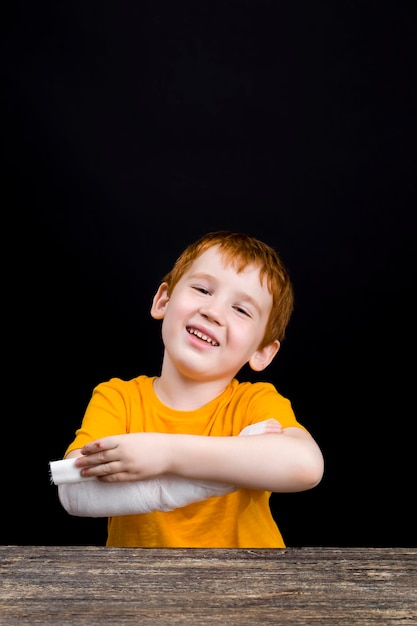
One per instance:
(201, 336)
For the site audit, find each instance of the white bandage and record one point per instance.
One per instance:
(97, 499)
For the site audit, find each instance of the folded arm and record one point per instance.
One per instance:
(90, 497)
(286, 462)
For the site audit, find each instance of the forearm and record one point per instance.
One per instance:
(278, 463)
(92, 498)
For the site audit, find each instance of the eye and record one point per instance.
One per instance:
(201, 289)
(243, 311)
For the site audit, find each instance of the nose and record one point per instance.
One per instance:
(212, 312)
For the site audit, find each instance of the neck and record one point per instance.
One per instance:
(186, 394)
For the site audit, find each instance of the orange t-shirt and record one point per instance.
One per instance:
(241, 519)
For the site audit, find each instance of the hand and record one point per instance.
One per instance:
(268, 427)
(130, 457)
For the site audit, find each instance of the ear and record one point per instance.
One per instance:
(159, 302)
(263, 357)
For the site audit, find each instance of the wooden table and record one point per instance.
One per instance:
(74, 585)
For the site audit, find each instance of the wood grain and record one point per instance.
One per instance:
(74, 585)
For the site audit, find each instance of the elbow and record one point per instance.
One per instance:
(309, 473)
(67, 495)
(304, 472)
(313, 477)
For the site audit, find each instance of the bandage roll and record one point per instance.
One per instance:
(65, 471)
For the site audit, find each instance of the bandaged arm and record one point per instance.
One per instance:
(89, 497)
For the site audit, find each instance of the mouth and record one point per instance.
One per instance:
(202, 336)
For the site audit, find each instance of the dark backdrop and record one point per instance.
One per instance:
(130, 129)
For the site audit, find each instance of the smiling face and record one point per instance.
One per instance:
(215, 319)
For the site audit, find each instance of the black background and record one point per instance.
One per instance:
(130, 129)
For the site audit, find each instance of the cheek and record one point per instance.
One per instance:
(182, 305)
(243, 335)
(175, 313)
(252, 335)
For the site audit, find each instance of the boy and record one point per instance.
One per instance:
(170, 443)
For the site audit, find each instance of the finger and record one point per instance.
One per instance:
(108, 443)
(102, 470)
(95, 459)
(115, 478)
(273, 422)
